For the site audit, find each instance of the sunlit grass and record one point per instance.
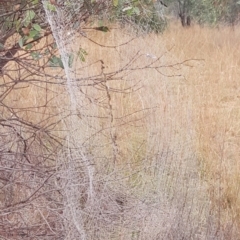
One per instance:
(214, 86)
(169, 136)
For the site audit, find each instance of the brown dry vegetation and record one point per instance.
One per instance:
(167, 129)
(210, 85)
(215, 89)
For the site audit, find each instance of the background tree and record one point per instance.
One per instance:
(205, 12)
(185, 7)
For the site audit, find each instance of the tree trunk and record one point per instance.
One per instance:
(183, 13)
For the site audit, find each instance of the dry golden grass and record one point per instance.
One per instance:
(204, 99)
(215, 89)
(199, 103)
(175, 131)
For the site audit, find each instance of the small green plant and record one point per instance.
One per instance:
(81, 54)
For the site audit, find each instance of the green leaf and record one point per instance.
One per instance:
(34, 2)
(18, 24)
(60, 63)
(81, 54)
(29, 46)
(130, 12)
(70, 60)
(115, 3)
(36, 55)
(29, 16)
(33, 33)
(21, 42)
(102, 28)
(68, 3)
(136, 10)
(51, 7)
(37, 27)
(56, 62)
(1, 46)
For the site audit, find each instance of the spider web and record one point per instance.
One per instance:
(103, 200)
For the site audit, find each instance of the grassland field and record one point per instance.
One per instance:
(167, 125)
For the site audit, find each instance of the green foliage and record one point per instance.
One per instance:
(102, 28)
(26, 18)
(51, 7)
(56, 61)
(207, 12)
(37, 27)
(211, 12)
(29, 46)
(21, 42)
(29, 16)
(146, 15)
(232, 14)
(219, 12)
